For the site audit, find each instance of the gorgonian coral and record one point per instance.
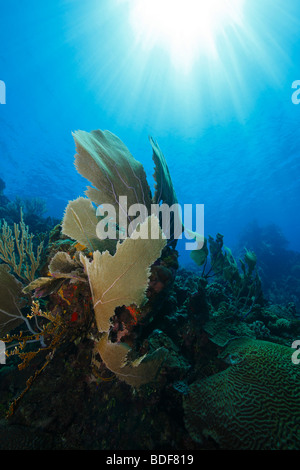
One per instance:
(87, 284)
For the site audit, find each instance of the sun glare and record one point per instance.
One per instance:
(185, 28)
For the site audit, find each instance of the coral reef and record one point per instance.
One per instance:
(112, 345)
(245, 284)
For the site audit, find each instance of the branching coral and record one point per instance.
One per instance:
(53, 332)
(16, 249)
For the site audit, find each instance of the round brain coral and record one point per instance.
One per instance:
(253, 404)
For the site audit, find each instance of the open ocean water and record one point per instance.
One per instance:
(222, 100)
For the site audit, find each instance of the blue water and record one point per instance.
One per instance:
(228, 129)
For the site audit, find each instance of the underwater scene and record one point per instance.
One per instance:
(149, 227)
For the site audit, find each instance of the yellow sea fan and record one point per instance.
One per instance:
(106, 162)
(122, 279)
(141, 371)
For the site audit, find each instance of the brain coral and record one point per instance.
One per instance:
(253, 404)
